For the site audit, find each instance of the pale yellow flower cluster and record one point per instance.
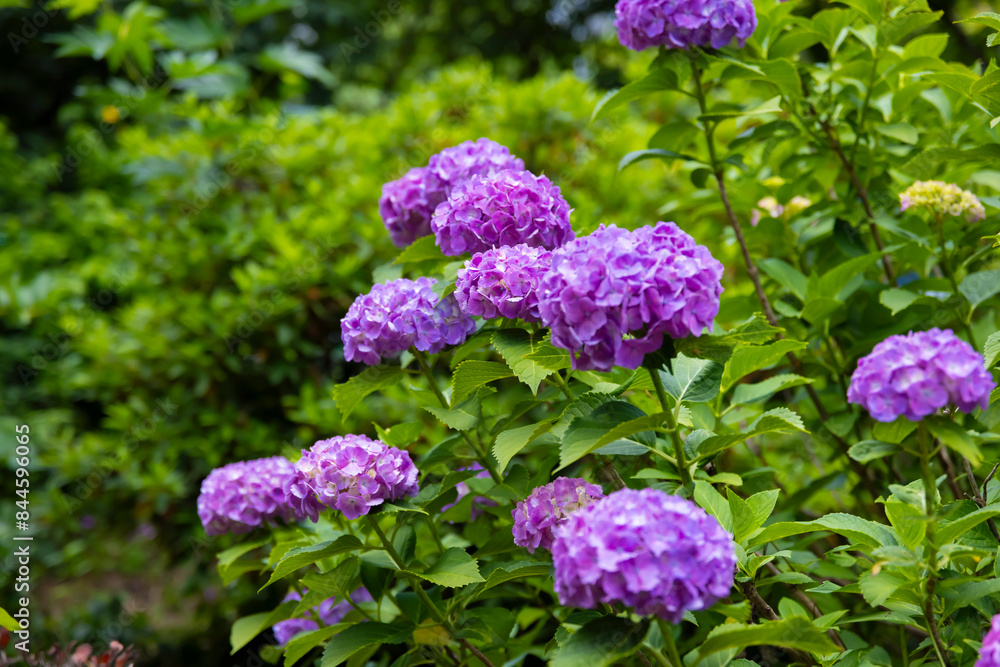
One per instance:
(942, 198)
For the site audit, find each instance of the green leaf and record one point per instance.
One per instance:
(793, 42)
(453, 569)
(991, 351)
(8, 621)
(300, 646)
(586, 431)
(511, 571)
(714, 503)
(869, 450)
(901, 131)
(955, 438)
(510, 442)
(248, 627)
(400, 435)
(691, 379)
(601, 642)
(872, 9)
(744, 518)
(348, 394)
(896, 28)
(795, 632)
(897, 300)
(423, 249)
(762, 504)
(749, 359)
(514, 345)
(908, 521)
(787, 276)
(832, 283)
(654, 154)
(893, 432)
(761, 391)
(991, 19)
(471, 375)
(978, 287)
(778, 420)
(363, 635)
(656, 81)
(877, 589)
(859, 531)
(463, 417)
(338, 582)
(287, 56)
(674, 136)
(302, 556)
(954, 530)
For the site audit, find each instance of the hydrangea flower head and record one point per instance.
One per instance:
(942, 199)
(918, 374)
(681, 24)
(548, 507)
(407, 204)
(504, 208)
(657, 553)
(989, 654)
(238, 497)
(399, 314)
(503, 282)
(479, 502)
(610, 297)
(329, 611)
(351, 473)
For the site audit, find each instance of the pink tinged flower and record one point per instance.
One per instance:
(238, 497)
(918, 374)
(398, 315)
(611, 297)
(505, 208)
(681, 24)
(349, 473)
(503, 282)
(657, 553)
(547, 507)
(407, 204)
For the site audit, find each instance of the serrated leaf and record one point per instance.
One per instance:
(877, 589)
(463, 417)
(691, 379)
(749, 359)
(353, 639)
(453, 569)
(471, 375)
(978, 287)
(778, 420)
(859, 531)
(760, 391)
(300, 645)
(952, 531)
(908, 521)
(869, 450)
(514, 345)
(714, 503)
(762, 504)
(348, 394)
(658, 80)
(991, 351)
(897, 300)
(584, 432)
(510, 442)
(600, 643)
(302, 556)
(512, 571)
(744, 518)
(400, 435)
(421, 250)
(795, 632)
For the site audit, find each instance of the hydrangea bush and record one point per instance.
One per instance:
(605, 416)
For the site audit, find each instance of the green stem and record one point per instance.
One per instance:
(669, 644)
(557, 380)
(481, 455)
(946, 270)
(930, 509)
(661, 393)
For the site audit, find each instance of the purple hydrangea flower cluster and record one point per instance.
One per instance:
(504, 208)
(407, 204)
(399, 314)
(479, 502)
(611, 296)
(329, 611)
(918, 374)
(681, 24)
(548, 507)
(503, 282)
(352, 473)
(238, 497)
(657, 553)
(989, 654)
